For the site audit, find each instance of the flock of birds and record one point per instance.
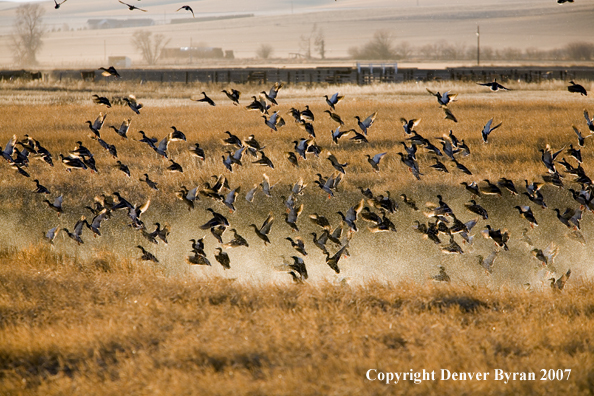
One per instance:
(443, 227)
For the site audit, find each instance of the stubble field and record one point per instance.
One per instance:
(74, 316)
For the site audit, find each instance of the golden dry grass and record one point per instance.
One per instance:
(532, 116)
(92, 319)
(110, 326)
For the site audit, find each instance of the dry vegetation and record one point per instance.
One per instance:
(92, 318)
(113, 326)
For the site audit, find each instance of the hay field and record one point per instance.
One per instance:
(90, 313)
(114, 326)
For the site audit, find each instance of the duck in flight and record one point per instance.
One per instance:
(59, 4)
(187, 8)
(577, 88)
(494, 86)
(131, 7)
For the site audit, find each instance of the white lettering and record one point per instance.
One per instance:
(498, 374)
(367, 375)
(445, 374)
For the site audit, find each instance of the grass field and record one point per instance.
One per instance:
(92, 318)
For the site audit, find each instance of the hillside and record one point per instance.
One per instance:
(282, 24)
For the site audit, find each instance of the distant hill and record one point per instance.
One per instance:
(286, 25)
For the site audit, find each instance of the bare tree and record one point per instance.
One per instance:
(264, 51)
(320, 43)
(379, 47)
(316, 36)
(26, 39)
(404, 50)
(579, 50)
(150, 48)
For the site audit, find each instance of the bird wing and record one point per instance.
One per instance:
(79, 226)
(230, 198)
(163, 144)
(250, 195)
(58, 201)
(9, 149)
(51, 234)
(191, 195)
(587, 117)
(369, 120)
(431, 92)
(487, 127)
(378, 157)
(265, 229)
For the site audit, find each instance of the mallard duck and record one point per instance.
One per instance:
(237, 240)
(132, 8)
(487, 263)
(149, 182)
(133, 104)
(487, 130)
(57, 5)
(272, 94)
(101, 100)
(72, 163)
(96, 126)
(306, 115)
(263, 231)
(526, 213)
(216, 220)
(146, 255)
(223, 258)
(336, 164)
(494, 86)
(51, 234)
(559, 284)
(577, 88)
(374, 162)
(109, 72)
(409, 125)
(366, 123)
(500, 238)
(205, 99)
(123, 129)
(442, 276)
(298, 245)
(233, 95)
(40, 189)
(332, 261)
(187, 8)
(444, 99)
(333, 100)
(409, 202)
(275, 121)
(476, 208)
(490, 189)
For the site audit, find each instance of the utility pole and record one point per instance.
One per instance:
(478, 46)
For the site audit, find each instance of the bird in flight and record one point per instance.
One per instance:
(494, 86)
(131, 7)
(110, 71)
(577, 88)
(59, 4)
(187, 8)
